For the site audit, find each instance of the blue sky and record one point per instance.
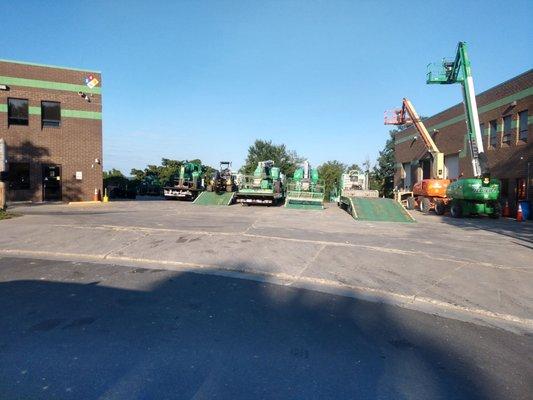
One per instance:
(204, 79)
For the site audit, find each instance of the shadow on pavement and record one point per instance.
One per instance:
(187, 335)
(506, 227)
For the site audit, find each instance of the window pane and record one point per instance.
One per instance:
(17, 111)
(19, 176)
(493, 133)
(50, 113)
(522, 123)
(507, 129)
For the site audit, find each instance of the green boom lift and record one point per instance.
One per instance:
(478, 195)
(304, 190)
(263, 187)
(187, 184)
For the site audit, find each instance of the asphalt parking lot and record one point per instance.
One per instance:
(155, 299)
(472, 269)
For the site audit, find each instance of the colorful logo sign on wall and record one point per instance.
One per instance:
(91, 81)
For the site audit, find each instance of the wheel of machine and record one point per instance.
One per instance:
(497, 210)
(411, 202)
(456, 210)
(440, 207)
(425, 205)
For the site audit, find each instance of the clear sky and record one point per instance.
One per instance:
(204, 79)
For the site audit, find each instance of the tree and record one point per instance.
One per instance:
(355, 167)
(330, 172)
(382, 175)
(112, 173)
(263, 150)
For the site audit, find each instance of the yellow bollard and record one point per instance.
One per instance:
(106, 198)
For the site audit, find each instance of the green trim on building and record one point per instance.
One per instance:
(81, 114)
(34, 83)
(49, 66)
(64, 113)
(481, 110)
(35, 110)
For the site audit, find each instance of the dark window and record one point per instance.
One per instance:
(504, 188)
(493, 133)
(507, 130)
(522, 123)
(17, 111)
(482, 129)
(50, 113)
(19, 176)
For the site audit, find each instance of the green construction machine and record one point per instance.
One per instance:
(304, 190)
(187, 184)
(265, 186)
(480, 194)
(221, 187)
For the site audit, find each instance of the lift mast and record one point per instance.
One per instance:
(459, 71)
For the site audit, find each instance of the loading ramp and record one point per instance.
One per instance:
(215, 199)
(375, 209)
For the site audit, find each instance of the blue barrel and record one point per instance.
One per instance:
(526, 209)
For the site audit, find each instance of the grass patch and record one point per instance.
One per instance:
(5, 215)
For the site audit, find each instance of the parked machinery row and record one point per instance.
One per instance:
(266, 185)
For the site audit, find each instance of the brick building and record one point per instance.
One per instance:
(506, 118)
(51, 121)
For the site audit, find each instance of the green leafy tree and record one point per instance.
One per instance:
(382, 175)
(354, 167)
(330, 173)
(263, 150)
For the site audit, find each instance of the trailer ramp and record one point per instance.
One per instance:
(375, 209)
(215, 199)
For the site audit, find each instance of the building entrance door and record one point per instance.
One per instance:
(51, 182)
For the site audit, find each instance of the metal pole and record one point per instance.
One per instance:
(3, 168)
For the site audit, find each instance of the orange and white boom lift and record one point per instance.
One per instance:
(428, 194)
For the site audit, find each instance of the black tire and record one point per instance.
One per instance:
(497, 211)
(425, 205)
(456, 211)
(440, 207)
(411, 202)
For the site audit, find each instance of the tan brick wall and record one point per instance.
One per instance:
(74, 145)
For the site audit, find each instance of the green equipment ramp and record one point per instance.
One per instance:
(214, 199)
(377, 209)
(305, 201)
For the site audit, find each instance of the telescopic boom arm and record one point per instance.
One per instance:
(460, 71)
(408, 115)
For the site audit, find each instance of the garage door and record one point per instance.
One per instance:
(451, 164)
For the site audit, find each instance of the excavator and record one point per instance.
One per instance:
(480, 194)
(428, 194)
